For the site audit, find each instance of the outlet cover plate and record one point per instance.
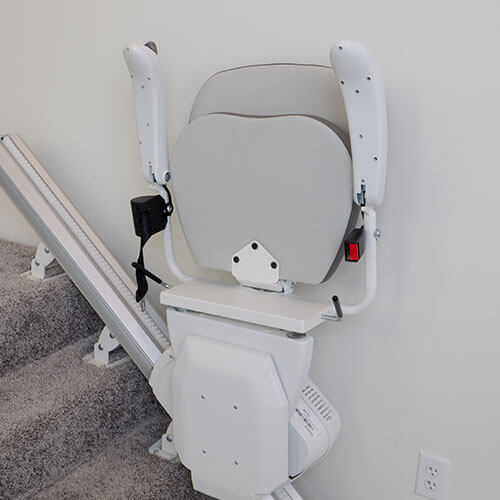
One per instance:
(433, 476)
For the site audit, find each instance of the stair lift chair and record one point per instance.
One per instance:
(277, 165)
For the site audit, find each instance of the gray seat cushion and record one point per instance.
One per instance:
(285, 181)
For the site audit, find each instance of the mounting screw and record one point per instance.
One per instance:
(169, 438)
(236, 259)
(46, 250)
(100, 347)
(255, 246)
(274, 265)
(37, 263)
(377, 234)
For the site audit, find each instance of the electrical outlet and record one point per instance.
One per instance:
(433, 476)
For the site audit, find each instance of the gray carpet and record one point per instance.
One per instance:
(125, 470)
(37, 317)
(69, 430)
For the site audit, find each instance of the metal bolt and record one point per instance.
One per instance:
(46, 250)
(37, 263)
(377, 234)
(236, 259)
(169, 438)
(100, 347)
(274, 265)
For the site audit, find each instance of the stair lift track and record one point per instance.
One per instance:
(82, 255)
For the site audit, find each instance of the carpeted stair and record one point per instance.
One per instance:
(70, 430)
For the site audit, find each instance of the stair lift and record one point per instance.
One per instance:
(273, 172)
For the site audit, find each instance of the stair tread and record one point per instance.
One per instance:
(48, 382)
(56, 412)
(14, 257)
(70, 430)
(37, 317)
(125, 470)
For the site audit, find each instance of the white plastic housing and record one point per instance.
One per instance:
(364, 98)
(231, 419)
(291, 356)
(314, 428)
(150, 103)
(160, 379)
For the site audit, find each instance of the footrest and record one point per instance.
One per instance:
(275, 310)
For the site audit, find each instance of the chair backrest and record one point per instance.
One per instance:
(265, 158)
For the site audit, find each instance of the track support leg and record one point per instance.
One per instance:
(165, 447)
(106, 344)
(43, 259)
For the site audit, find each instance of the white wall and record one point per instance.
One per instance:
(421, 368)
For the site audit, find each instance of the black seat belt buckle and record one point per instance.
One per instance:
(150, 215)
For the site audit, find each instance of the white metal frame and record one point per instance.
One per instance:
(364, 97)
(370, 256)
